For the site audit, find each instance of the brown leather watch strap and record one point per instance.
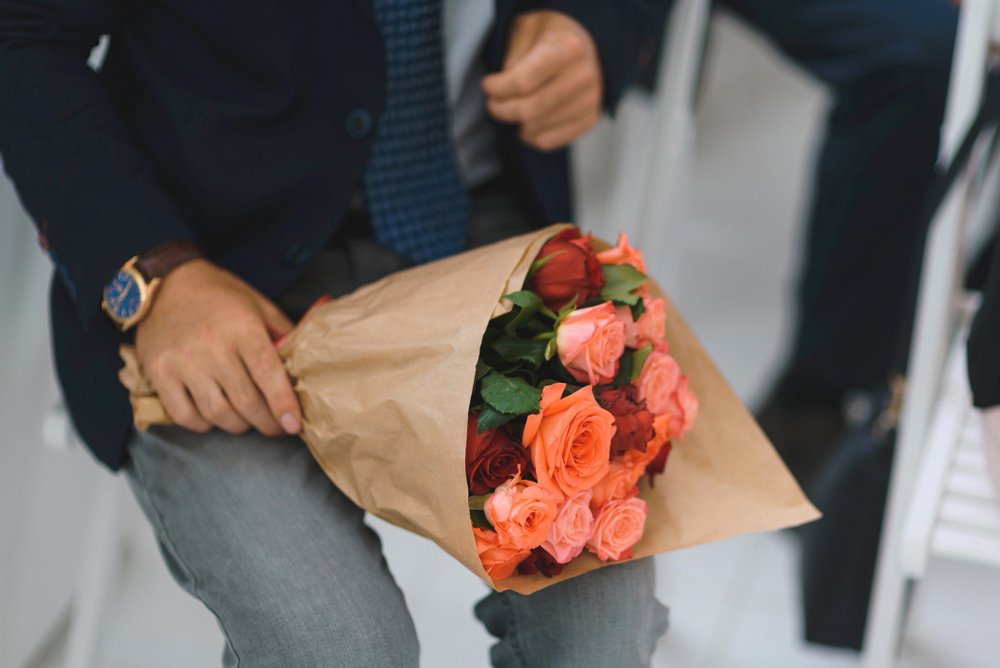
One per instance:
(159, 261)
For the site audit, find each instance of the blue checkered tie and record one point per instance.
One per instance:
(417, 200)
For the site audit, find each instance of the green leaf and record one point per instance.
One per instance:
(638, 308)
(508, 394)
(624, 375)
(620, 282)
(482, 368)
(639, 360)
(490, 418)
(513, 349)
(477, 502)
(479, 520)
(529, 304)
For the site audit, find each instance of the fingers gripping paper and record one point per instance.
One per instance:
(385, 375)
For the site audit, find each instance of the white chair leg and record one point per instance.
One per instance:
(935, 315)
(98, 565)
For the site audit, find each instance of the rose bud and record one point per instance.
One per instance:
(590, 342)
(572, 271)
(633, 421)
(622, 253)
(492, 458)
(540, 561)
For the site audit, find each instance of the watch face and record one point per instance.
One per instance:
(123, 296)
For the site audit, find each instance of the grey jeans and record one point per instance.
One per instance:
(252, 527)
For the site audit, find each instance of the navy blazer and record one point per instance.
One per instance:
(244, 126)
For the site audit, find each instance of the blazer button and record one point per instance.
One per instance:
(359, 123)
(299, 254)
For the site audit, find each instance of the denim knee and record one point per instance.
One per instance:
(306, 635)
(608, 617)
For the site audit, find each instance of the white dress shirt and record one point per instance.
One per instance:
(467, 25)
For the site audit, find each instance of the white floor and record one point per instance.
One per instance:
(733, 604)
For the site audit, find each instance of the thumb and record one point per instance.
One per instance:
(523, 36)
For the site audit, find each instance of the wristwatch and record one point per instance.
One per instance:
(129, 294)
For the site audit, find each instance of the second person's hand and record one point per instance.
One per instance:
(551, 83)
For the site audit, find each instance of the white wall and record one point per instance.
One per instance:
(44, 493)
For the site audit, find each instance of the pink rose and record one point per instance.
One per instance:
(522, 513)
(570, 531)
(650, 328)
(498, 560)
(622, 254)
(617, 528)
(619, 483)
(657, 382)
(683, 408)
(624, 314)
(590, 341)
(652, 324)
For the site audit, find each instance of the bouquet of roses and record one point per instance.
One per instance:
(535, 384)
(576, 398)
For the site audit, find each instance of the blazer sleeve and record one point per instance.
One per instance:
(614, 27)
(89, 187)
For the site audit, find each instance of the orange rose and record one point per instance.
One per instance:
(657, 381)
(683, 408)
(570, 440)
(622, 254)
(654, 459)
(522, 512)
(619, 483)
(618, 527)
(499, 561)
(590, 341)
(571, 529)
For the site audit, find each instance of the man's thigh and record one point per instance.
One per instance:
(253, 528)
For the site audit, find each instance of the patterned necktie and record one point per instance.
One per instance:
(417, 200)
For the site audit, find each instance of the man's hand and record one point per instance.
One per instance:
(551, 82)
(206, 346)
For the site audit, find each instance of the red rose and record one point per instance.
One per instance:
(540, 561)
(633, 421)
(492, 458)
(573, 271)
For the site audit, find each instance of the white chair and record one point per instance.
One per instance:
(646, 147)
(941, 502)
(100, 556)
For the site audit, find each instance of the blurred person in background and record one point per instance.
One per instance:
(887, 64)
(228, 164)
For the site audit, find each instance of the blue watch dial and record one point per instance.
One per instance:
(123, 296)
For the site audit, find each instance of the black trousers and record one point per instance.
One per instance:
(887, 63)
(984, 340)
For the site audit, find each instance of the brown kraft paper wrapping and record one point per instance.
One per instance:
(384, 376)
